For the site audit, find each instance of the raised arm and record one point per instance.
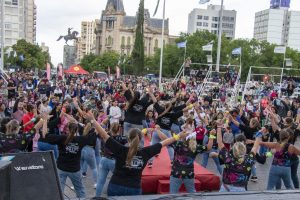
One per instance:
(173, 139)
(219, 137)
(99, 130)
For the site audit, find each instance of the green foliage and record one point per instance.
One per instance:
(33, 55)
(92, 62)
(254, 53)
(138, 49)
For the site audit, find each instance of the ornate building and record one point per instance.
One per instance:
(116, 31)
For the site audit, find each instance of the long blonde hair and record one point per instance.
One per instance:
(12, 127)
(192, 143)
(239, 151)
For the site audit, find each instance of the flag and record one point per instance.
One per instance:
(157, 5)
(181, 45)
(237, 51)
(203, 1)
(280, 49)
(207, 47)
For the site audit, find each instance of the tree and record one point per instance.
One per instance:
(138, 49)
(92, 62)
(86, 62)
(27, 55)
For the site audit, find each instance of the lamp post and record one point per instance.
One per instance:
(219, 34)
(2, 35)
(162, 44)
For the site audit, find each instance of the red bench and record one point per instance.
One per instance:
(163, 187)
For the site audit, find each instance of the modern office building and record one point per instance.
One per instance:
(116, 31)
(278, 25)
(209, 19)
(19, 21)
(87, 42)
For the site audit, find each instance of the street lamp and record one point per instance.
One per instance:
(220, 33)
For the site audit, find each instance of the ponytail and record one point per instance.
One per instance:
(134, 137)
(72, 128)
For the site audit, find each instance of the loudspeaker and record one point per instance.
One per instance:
(4, 180)
(34, 176)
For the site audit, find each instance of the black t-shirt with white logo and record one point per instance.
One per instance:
(136, 113)
(70, 154)
(130, 176)
(165, 121)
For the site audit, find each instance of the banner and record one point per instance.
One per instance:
(118, 72)
(60, 70)
(208, 47)
(48, 68)
(108, 70)
(280, 49)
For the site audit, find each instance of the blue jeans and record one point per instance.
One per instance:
(98, 157)
(106, 165)
(175, 128)
(128, 126)
(175, 184)
(119, 190)
(294, 175)
(88, 157)
(205, 157)
(76, 180)
(276, 174)
(43, 146)
(232, 189)
(155, 139)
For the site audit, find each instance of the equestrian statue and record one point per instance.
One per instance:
(70, 36)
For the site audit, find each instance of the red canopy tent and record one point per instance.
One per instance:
(76, 69)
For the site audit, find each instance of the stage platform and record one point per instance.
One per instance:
(267, 195)
(155, 180)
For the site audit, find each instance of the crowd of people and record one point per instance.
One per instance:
(103, 125)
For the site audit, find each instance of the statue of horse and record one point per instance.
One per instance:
(70, 36)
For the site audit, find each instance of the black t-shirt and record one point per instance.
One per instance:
(183, 164)
(15, 143)
(130, 176)
(136, 113)
(11, 92)
(165, 121)
(70, 154)
(105, 152)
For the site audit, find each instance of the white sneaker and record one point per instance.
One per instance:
(95, 185)
(72, 188)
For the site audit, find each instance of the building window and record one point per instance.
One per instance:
(110, 24)
(123, 41)
(128, 41)
(215, 19)
(227, 25)
(15, 2)
(205, 24)
(206, 17)
(199, 16)
(199, 23)
(109, 41)
(214, 25)
(156, 43)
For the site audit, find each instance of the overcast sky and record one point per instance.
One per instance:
(55, 16)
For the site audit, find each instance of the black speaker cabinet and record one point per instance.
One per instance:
(4, 180)
(33, 176)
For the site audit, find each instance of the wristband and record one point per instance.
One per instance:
(269, 154)
(176, 137)
(33, 120)
(144, 131)
(191, 106)
(212, 137)
(92, 121)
